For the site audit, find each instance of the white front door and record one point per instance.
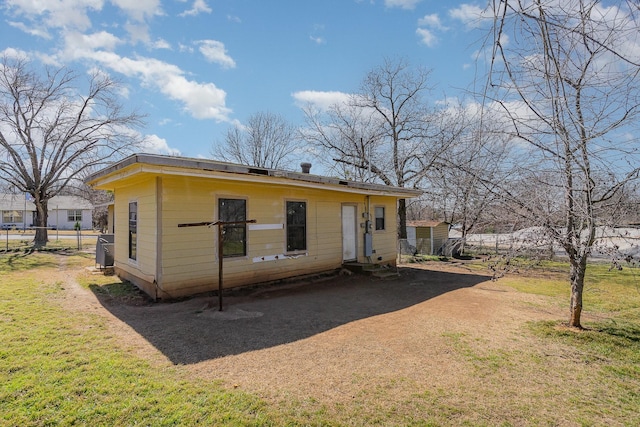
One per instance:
(349, 251)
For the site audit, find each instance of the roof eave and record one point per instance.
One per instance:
(207, 168)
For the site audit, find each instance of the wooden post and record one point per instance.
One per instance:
(220, 260)
(219, 224)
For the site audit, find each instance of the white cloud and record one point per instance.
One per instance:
(233, 18)
(315, 37)
(153, 144)
(320, 99)
(185, 48)
(403, 4)
(80, 45)
(14, 53)
(432, 21)
(214, 51)
(200, 100)
(57, 14)
(31, 30)
(470, 15)
(138, 32)
(139, 10)
(199, 6)
(161, 44)
(427, 37)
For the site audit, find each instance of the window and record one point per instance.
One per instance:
(11, 216)
(133, 230)
(296, 226)
(379, 212)
(234, 236)
(74, 215)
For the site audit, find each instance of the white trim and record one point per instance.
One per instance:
(318, 182)
(257, 227)
(279, 257)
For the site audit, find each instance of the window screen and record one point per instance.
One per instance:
(296, 226)
(234, 236)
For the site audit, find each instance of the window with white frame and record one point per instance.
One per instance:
(74, 215)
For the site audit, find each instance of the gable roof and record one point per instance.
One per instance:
(168, 165)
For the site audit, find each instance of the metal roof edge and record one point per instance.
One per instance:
(217, 166)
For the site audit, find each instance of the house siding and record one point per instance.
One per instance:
(59, 218)
(142, 271)
(174, 261)
(188, 255)
(57, 212)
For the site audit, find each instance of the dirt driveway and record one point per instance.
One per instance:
(329, 340)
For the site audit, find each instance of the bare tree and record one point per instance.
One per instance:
(566, 74)
(348, 140)
(384, 131)
(267, 141)
(458, 186)
(51, 134)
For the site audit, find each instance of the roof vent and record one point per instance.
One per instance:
(306, 167)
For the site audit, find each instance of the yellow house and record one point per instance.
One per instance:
(304, 223)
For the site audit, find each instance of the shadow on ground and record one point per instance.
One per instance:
(193, 331)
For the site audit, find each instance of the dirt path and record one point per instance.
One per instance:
(332, 339)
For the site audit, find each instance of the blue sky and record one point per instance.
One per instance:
(197, 67)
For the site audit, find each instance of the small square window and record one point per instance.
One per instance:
(74, 215)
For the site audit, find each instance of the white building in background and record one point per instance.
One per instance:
(18, 211)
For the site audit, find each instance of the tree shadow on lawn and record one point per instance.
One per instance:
(194, 330)
(26, 258)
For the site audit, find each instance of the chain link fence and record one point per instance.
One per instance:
(439, 247)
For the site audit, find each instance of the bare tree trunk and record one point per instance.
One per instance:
(402, 216)
(52, 135)
(41, 221)
(577, 273)
(577, 92)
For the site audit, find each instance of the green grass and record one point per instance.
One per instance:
(26, 245)
(412, 259)
(68, 367)
(606, 289)
(57, 369)
(610, 343)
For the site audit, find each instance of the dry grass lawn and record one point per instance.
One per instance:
(458, 350)
(440, 345)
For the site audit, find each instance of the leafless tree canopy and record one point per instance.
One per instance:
(267, 141)
(52, 132)
(566, 75)
(386, 132)
(458, 185)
